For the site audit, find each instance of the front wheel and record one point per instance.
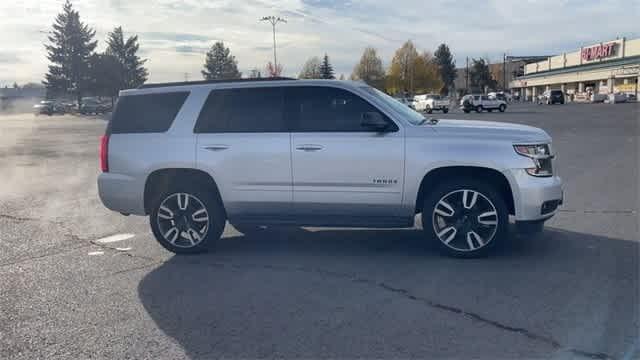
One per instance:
(445, 110)
(187, 219)
(467, 218)
(478, 109)
(502, 108)
(428, 110)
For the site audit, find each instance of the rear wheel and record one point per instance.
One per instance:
(466, 111)
(428, 110)
(445, 110)
(467, 218)
(187, 219)
(479, 108)
(502, 108)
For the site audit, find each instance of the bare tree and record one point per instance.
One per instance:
(311, 69)
(274, 70)
(369, 69)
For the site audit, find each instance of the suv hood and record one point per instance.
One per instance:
(491, 130)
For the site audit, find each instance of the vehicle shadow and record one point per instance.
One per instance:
(359, 293)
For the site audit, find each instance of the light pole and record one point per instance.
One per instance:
(274, 20)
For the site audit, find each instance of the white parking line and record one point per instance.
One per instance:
(123, 249)
(114, 238)
(93, 253)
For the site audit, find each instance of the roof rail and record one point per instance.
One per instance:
(204, 82)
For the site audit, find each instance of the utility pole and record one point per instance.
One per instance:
(273, 21)
(466, 77)
(504, 72)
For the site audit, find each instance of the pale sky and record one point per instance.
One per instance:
(175, 34)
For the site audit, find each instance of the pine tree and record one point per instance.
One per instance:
(446, 66)
(326, 70)
(133, 72)
(71, 45)
(105, 75)
(220, 64)
(481, 78)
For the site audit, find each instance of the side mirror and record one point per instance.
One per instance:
(374, 121)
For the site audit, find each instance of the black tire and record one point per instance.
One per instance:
(445, 110)
(466, 111)
(479, 109)
(502, 107)
(449, 190)
(429, 110)
(214, 211)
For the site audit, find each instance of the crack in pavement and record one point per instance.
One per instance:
(16, 218)
(431, 303)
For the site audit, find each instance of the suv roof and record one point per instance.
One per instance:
(241, 83)
(204, 82)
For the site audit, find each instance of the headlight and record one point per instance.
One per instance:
(533, 151)
(541, 156)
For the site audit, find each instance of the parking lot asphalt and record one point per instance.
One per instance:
(67, 290)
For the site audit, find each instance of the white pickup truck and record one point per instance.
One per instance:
(429, 102)
(479, 103)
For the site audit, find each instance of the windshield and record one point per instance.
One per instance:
(406, 112)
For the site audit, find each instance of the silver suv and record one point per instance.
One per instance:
(193, 156)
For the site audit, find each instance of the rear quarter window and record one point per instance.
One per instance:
(148, 113)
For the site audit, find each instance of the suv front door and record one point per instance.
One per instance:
(244, 143)
(342, 171)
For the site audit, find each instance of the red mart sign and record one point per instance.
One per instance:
(598, 52)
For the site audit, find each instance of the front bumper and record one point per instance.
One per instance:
(535, 198)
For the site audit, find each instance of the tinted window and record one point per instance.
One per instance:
(243, 110)
(556, 93)
(324, 109)
(485, 97)
(151, 113)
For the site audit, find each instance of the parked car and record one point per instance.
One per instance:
(48, 107)
(318, 153)
(94, 106)
(479, 103)
(430, 102)
(631, 97)
(551, 97)
(406, 101)
(501, 95)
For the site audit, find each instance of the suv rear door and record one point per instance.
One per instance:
(244, 143)
(340, 168)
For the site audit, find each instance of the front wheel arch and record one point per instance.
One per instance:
(436, 176)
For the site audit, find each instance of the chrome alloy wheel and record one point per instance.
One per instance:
(465, 220)
(183, 220)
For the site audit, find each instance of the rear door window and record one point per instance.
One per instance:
(327, 109)
(148, 113)
(243, 110)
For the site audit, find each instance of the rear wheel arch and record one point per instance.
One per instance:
(162, 179)
(443, 174)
